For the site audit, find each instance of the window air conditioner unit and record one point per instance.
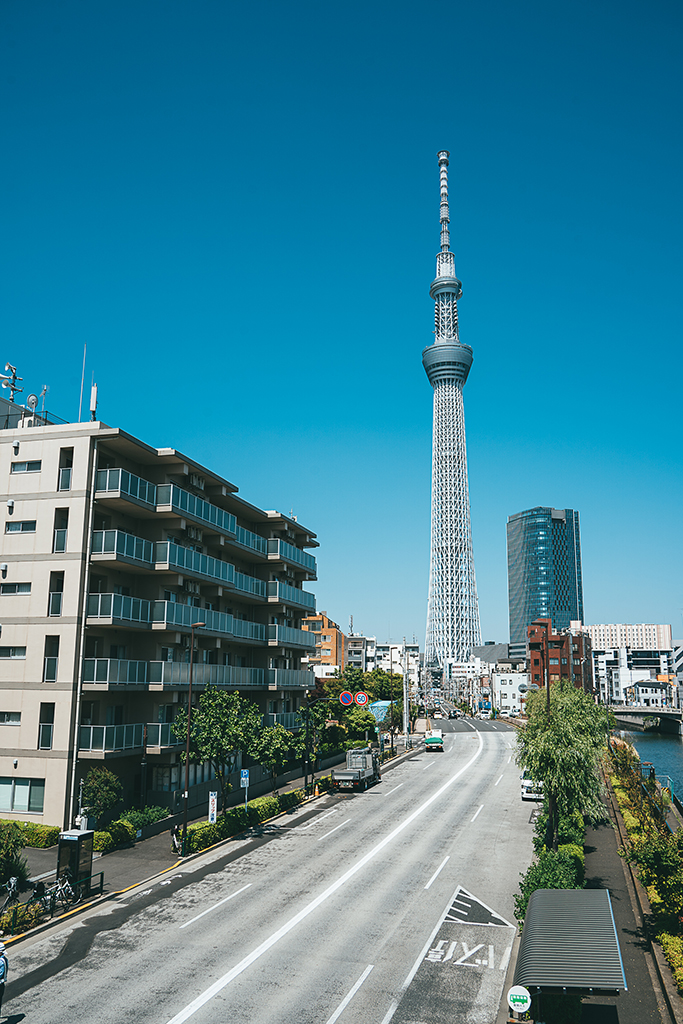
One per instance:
(190, 587)
(197, 481)
(194, 533)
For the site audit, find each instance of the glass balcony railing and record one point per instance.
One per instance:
(177, 673)
(191, 505)
(291, 595)
(173, 614)
(285, 678)
(171, 554)
(126, 483)
(160, 734)
(125, 544)
(287, 636)
(109, 670)
(251, 540)
(290, 553)
(64, 482)
(250, 585)
(118, 606)
(110, 737)
(54, 603)
(59, 541)
(289, 719)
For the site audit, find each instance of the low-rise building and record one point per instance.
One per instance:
(564, 655)
(330, 642)
(362, 651)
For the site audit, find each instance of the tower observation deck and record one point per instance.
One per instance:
(453, 610)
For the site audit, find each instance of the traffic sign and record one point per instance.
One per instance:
(522, 687)
(244, 778)
(361, 699)
(519, 998)
(213, 807)
(346, 698)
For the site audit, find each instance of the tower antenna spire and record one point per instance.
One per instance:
(444, 214)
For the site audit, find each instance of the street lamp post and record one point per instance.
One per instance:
(186, 795)
(391, 700)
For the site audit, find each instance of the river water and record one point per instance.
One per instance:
(665, 752)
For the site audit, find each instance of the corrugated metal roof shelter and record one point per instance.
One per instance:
(570, 941)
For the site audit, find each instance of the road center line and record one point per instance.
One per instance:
(509, 758)
(268, 943)
(470, 726)
(497, 781)
(428, 765)
(477, 814)
(334, 830)
(347, 999)
(219, 904)
(437, 872)
(386, 794)
(302, 828)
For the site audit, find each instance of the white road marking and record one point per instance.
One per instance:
(386, 794)
(302, 828)
(436, 873)
(390, 1012)
(497, 781)
(219, 904)
(334, 830)
(470, 726)
(495, 727)
(428, 765)
(477, 814)
(509, 758)
(252, 957)
(347, 999)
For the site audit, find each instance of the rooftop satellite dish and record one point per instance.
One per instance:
(6, 383)
(32, 401)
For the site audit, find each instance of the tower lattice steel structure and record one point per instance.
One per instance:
(453, 610)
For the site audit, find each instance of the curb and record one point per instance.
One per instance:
(668, 989)
(34, 932)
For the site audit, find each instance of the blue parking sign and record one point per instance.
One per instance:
(244, 778)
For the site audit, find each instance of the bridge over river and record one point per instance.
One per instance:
(633, 716)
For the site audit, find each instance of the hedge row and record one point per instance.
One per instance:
(116, 834)
(39, 836)
(237, 819)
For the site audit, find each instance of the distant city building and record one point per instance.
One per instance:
(644, 636)
(403, 658)
(617, 669)
(507, 695)
(362, 651)
(565, 655)
(330, 642)
(544, 571)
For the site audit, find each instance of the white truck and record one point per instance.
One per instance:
(362, 770)
(434, 740)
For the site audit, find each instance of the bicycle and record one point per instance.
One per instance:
(12, 887)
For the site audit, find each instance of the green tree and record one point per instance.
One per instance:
(221, 724)
(563, 751)
(102, 790)
(359, 721)
(273, 749)
(11, 845)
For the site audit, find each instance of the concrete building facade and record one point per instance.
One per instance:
(330, 642)
(111, 550)
(559, 655)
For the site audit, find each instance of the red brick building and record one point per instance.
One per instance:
(565, 655)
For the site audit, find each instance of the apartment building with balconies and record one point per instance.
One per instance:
(111, 550)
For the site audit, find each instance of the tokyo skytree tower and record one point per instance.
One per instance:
(453, 610)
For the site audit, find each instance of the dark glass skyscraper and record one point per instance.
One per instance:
(544, 569)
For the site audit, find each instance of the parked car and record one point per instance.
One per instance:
(531, 789)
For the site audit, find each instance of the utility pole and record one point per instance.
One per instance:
(186, 794)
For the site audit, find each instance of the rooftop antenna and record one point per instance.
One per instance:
(11, 381)
(93, 402)
(351, 624)
(80, 401)
(43, 395)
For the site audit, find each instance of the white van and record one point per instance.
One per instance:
(531, 790)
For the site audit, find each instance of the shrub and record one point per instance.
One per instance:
(265, 807)
(291, 799)
(147, 816)
(631, 822)
(122, 832)
(578, 859)
(571, 829)
(16, 867)
(551, 871)
(20, 918)
(673, 951)
(101, 790)
(103, 842)
(39, 836)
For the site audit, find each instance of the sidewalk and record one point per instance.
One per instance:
(133, 864)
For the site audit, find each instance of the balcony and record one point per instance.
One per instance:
(250, 585)
(251, 540)
(124, 546)
(120, 483)
(289, 553)
(286, 594)
(286, 678)
(167, 553)
(289, 719)
(116, 673)
(120, 608)
(110, 738)
(286, 636)
(177, 673)
(169, 614)
(160, 735)
(189, 505)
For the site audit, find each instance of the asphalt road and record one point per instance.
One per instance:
(391, 905)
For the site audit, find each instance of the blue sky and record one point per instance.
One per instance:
(236, 207)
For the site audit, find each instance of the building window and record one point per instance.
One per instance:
(15, 588)
(56, 592)
(51, 659)
(14, 653)
(22, 795)
(554, 661)
(26, 467)
(27, 526)
(10, 717)
(564, 661)
(46, 726)
(66, 461)
(61, 526)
